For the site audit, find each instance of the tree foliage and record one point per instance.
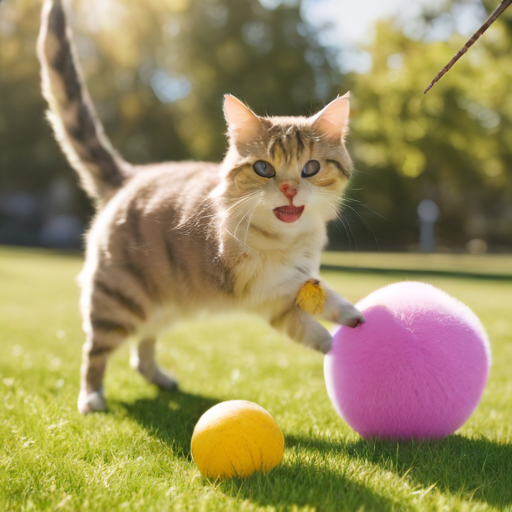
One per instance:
(450, 145)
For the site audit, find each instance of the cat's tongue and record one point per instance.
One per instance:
(288, 213)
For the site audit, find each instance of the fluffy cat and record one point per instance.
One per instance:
(170, 240)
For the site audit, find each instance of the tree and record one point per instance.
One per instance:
(450, 145)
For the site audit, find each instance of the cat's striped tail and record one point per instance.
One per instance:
(75, 123)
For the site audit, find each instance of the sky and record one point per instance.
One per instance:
(354, 19)
(353, 22)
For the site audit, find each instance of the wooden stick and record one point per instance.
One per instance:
(490, 20)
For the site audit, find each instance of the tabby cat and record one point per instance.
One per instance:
(170, 240)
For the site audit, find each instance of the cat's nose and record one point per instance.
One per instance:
(289, 190)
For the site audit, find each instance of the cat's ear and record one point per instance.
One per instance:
(243, 124)
(332, 120)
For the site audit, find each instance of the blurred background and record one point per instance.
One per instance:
(157, 71)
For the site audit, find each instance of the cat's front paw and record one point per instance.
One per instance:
(322, 345)
(91, 402)
(350, 316)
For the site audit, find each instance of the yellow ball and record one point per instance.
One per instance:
(236, 438)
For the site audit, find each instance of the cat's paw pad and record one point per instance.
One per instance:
(164, 381)
(91, 402)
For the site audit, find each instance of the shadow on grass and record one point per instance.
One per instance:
(306, 484)
(478, 469)
(170, 416)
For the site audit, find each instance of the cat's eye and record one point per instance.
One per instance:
(310, 169)
(264, 169)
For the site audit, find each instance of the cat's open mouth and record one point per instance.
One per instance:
(288, 213)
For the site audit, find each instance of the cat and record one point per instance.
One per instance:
(170, 240)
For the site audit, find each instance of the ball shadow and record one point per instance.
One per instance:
(475, 469)
(170, 417)
(304, 479)
(294, 485)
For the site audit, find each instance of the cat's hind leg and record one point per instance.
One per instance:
(142, 359)
(103, 339)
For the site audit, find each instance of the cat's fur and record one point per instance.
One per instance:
(173, 239)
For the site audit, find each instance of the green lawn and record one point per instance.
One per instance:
(137, 456)
(485, 264)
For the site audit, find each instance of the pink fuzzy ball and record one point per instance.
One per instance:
(416, 369)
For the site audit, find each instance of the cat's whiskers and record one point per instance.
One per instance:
(363, 220)
(348, 230)
(233, 210)
(238, 204)
(360, 203)
(238, 225)
(225, 213)
(249, 222)
(250, 211)
(329, 203)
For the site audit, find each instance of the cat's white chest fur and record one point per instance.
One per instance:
(266, 276)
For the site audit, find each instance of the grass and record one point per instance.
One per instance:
(137, 457)
(484, 264)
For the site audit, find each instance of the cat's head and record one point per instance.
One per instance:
(285, 174)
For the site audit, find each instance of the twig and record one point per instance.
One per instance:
(490, 20)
